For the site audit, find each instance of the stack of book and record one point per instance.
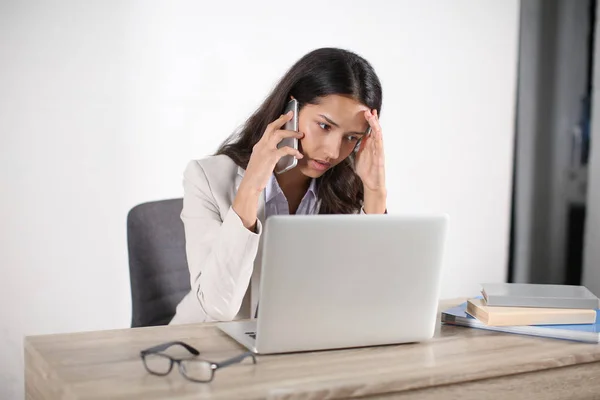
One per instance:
(555, 311)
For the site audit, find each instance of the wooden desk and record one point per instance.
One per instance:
(458, 363)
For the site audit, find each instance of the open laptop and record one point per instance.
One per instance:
(340, 281)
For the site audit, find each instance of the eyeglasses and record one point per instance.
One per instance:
(192, 368)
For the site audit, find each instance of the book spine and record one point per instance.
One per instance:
(499, 301)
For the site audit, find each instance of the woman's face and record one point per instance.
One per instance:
(331, 130)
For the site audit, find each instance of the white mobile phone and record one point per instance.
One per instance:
(286, 163)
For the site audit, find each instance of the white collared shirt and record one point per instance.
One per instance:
(277, 204)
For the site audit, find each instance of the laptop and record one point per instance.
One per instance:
(343, 281)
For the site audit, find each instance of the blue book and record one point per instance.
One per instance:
(581, 332)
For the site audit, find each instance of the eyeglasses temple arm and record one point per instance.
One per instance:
(236, 359)
(164, 346)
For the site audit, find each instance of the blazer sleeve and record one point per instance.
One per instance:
(220, 253)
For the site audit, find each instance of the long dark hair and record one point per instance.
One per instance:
(322, 72)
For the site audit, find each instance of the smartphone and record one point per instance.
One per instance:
(286, 163)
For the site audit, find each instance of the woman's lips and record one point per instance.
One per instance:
(319, 165)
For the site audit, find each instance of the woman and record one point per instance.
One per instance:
(229, 195)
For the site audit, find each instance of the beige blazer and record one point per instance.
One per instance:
(223, 256)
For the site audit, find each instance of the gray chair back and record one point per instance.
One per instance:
(158, 270)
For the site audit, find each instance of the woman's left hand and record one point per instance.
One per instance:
(370, 166)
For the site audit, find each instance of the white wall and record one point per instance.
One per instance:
(103, 103)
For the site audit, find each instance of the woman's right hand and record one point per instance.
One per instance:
(263, 160)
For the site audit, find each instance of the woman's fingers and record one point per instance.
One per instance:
(279, 122)
(373, 121)
(376, 136)
(288, 151)
(281, 134)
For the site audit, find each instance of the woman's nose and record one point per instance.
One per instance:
(332, 147)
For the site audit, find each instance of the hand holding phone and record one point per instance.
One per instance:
(265, 156)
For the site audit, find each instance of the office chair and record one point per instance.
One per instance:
(158, 270)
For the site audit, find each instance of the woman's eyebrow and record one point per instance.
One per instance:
(329, 120)
(337, 126)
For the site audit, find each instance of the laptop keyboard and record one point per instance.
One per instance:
(251, 334)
